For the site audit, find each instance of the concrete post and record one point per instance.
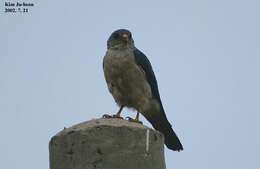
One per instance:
(107, 144)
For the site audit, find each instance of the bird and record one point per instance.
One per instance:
(131, 81)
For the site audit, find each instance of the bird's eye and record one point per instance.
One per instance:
(116, 35)
(130, 36)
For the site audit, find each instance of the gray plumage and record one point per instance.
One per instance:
(132, 83)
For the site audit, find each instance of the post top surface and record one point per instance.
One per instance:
(102, 122)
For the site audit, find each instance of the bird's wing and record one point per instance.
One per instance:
(159, 120)
(142, 61)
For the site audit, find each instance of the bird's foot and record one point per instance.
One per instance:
(112, 116)
(134, 120)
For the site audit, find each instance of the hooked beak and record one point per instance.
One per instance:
(125, 37)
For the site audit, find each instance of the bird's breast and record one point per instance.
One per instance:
(118, 61)
(126, 80)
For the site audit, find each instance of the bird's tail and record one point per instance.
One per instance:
(160, 123)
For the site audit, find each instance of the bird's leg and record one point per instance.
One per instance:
(136, 119)
(117, 115)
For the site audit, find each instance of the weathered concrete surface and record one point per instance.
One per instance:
(107, 144)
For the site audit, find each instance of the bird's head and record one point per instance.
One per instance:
(120, 39)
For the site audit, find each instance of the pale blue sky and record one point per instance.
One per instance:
(205, 54)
